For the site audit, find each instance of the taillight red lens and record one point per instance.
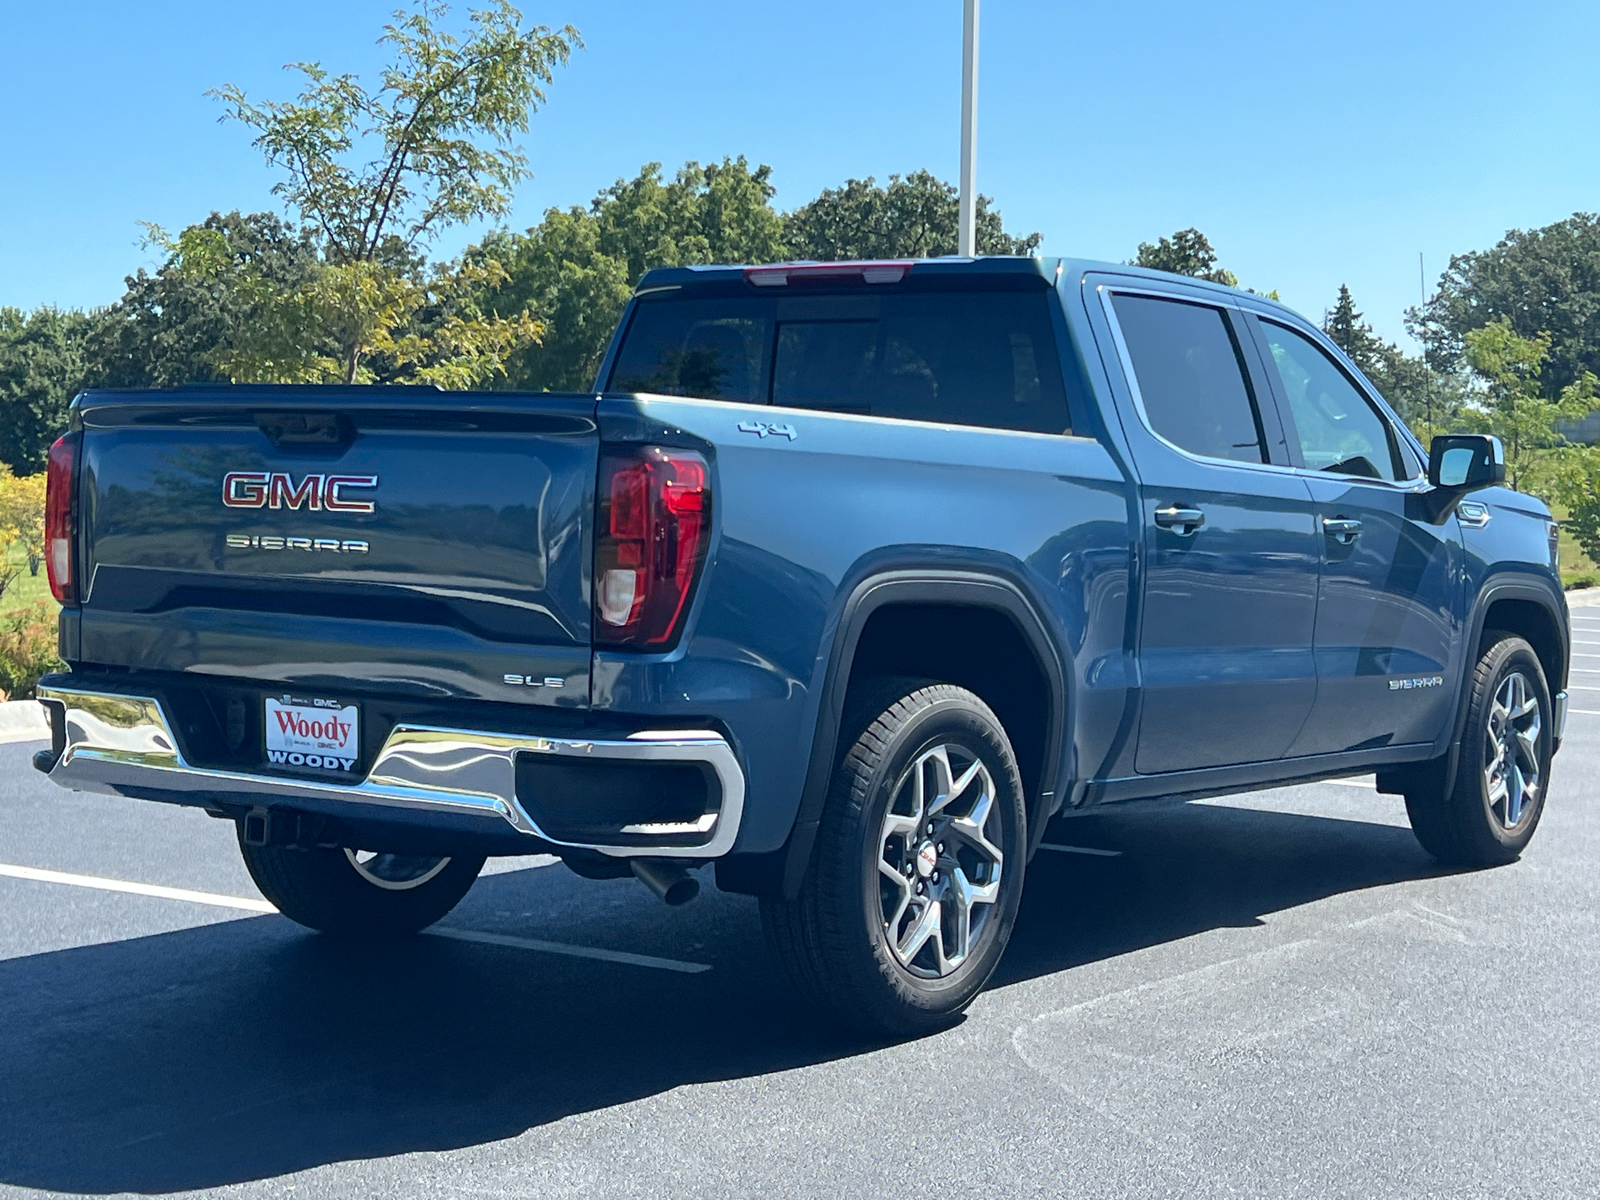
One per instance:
(654, 523)
(59, 535)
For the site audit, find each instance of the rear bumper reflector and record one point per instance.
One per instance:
(123, 745)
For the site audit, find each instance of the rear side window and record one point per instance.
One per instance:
(710, 349)
(958, 358)
(1191, 377)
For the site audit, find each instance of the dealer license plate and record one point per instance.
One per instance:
(322, 734)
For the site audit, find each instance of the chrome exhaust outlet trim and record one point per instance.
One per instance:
(116, 742)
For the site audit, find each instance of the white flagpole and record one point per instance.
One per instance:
(969, 130)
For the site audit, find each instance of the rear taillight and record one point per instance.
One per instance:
(654, 523)
(59, 533)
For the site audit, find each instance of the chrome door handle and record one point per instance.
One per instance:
(1341, 529)
(1181, 520)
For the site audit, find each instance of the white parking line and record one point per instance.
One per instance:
(136, 889)
(1369, 784)
(1080, 850)
(217, 900)
(522, 943)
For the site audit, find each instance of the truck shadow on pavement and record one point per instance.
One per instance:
(248, 1049)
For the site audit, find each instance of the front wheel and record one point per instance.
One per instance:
(358, 893)
(1503, 768)
(914, 881)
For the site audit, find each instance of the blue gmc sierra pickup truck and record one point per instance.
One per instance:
(846, 579)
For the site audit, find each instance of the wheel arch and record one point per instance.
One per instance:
(924, 599)
(1528, 606)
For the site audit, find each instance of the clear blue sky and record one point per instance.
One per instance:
(1314, 143)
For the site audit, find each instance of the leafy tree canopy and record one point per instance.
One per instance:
(1187, 252)
(1538, 281)
(377, 175)
(915, 216)
(170, 325)
(577, 267)
(1512, 406)
(42, 358)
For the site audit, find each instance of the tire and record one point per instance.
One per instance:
(350, 894)
(834, 938)
(1503, 768)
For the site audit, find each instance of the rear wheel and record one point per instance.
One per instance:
(914, 881)
(360, 893)
(1503, 769)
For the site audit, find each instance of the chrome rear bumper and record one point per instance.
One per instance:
(121, 744)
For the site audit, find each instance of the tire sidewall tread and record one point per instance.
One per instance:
(825, 937)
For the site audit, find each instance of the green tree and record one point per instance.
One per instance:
(1187, 252)
(1539, 281)
(1427, 400)
(378, 175)
(1513, 408)
(1345, 327)
(915, 216)
(576, 269)
(1577, 486)
(170, 325)
(42, 366)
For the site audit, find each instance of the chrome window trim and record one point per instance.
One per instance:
(115, 741)
(1106, 291)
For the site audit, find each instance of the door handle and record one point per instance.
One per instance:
(1183, 521)
(1341, 529)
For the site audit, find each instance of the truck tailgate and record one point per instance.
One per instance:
(433, 544)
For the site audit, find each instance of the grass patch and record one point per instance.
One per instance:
(1578, 570)
(26, 588)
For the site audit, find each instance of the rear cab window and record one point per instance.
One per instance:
(957, 356)
(1192, 380)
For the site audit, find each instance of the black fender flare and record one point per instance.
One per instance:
(1508, 585)
(966, 589)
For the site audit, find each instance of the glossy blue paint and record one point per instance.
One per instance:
(1248, 652)
(1390, 611)
(476, 562)
(802, 518)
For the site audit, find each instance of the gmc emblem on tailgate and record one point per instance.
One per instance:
(276, 489)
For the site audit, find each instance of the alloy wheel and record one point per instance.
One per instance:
(1511, 773)
(939, 868)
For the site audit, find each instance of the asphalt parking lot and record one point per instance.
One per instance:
(1276, 994)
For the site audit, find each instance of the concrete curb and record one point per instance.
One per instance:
(1584, 598)
(23, 716)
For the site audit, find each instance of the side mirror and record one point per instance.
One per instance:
(1465, 462)
(1458, 463)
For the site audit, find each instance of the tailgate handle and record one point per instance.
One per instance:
(310, 429)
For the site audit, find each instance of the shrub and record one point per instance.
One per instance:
(27, 649)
